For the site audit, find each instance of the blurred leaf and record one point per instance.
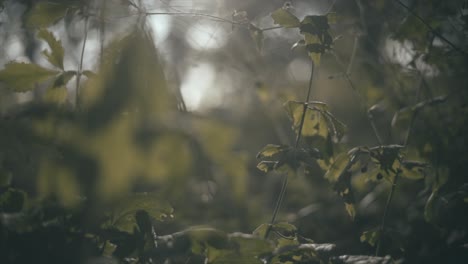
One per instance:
(57, 95)
(260, 231)
(249, 245)
(414, 170)
(12, 201)
(89, 74)
(285, 19)
(273, 151)
(351, 209)
(285, 228)
(315, 57)
(21, 77)
(5, 178)
(143, 221)
(63, 78)
(124, 212)
(315, 25)
(266, 166)
(371, 237)
(46, 13)
(55, 56)
(206, 236)
(257, 36)
(359, 259)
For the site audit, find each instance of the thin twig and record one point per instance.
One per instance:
(80, 67)
(271, 28)
(296, 145)
(435, 32)
(220, 19)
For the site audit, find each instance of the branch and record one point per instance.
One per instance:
(80, 67)
(296, 145)
(435, 32)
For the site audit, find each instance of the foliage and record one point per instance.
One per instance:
(121, 172)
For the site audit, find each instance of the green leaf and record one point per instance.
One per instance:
(55, 56)
(124, 212)
(315, 25)
(267, 166)
(414, 170)
(337, 167)
(335, 127)
(5, 178)
(250, 245)
(63, 78)
(314, 123)
(350, 209)
(257, 36)
(285, 19)
(46, 13)
(56, 95)
(21, 77)
(359, 259)
(89, 74)
(143, 221)
(12, 201)
(371, 237)
(273, 151)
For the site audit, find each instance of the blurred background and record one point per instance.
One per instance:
(175, 98)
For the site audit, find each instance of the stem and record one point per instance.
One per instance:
(220, 19)
(384, 217)
(435, 32)
(282, 193)
(271, 28)
(378, 250)
(80, 67)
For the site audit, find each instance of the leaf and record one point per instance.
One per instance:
(338, 166)
(335, 127)
(315, 25)
(55, 56)
(257, 36)
(89, 74)
(21, 77)
(63, 78)
(371, 237)
(143, 221)
(5, 178)
(285, 228)
(12, 201)
(350, 208)
(359, 259)
(260, 231)
(267, 166)
(46, 13)
(285, 19)
(56, 95)
(124, 212)
(414, 170)
(314, 123)
(272, 151)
